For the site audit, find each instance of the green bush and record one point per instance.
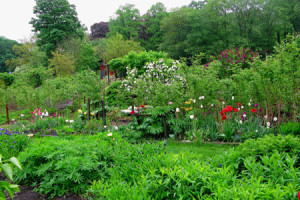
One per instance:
(12, 142)
(290, 128)
(7, 78)
(56, 166)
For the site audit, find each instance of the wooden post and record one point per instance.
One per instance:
(7, 114)
(103, 113)
(84, 100)
(88, 109)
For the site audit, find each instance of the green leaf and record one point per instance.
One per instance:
(15, 162)
(8, 171)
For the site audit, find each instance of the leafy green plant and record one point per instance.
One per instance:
(6, 167)
(290, 128)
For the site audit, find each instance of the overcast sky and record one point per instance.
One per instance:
(16, 14)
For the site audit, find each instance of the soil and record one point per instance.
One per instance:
(27, 193)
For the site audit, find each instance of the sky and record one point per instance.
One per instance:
(16, 14)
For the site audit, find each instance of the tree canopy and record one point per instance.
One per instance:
(55, 21)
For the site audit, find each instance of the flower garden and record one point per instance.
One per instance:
(113, 140)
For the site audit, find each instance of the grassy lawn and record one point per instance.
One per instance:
(196, 150)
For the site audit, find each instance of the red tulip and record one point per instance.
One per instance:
(253, 110)
(235, 110)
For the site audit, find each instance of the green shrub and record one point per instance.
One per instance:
(12, 142)
(56, 166)
(290, 128)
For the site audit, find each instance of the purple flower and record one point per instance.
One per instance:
(11, 146)
(221, 165)
(165, 144)
(255, 105)
(245, 113)
(261, 109)
(15, 142)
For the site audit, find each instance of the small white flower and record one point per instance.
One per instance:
(192, 116)
(109, 135)
(232, 97)
(105, 126)
(194, 100)
(266, 117)
(268, 124)
(239, 109)
(177, 110)
(116, 127)
(46, 114)
(244, 115)
(22, 115)
(256, 131)
(212, 105)
(242, 107)
(223, 103)
(249, 104)
(241, 122)
(201, 106)
(71, 121)
(67, 120)
(275, 119)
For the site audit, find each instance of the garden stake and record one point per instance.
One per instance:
(88, 109)
(7, 114)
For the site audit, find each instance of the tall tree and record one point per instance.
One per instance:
(6, 52)
(151, 34)
(127, 22)
(99, 30)
(55, 20)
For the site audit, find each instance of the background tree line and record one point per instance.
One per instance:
(205, 26)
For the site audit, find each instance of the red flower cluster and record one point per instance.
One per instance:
(239, 104)
(132, 112)
(142, 106)
(227, 109)
(253, 110)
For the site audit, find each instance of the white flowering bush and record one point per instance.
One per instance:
(159, 84)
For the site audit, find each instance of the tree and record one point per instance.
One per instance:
(55, 20)
(99, 30)
(116, 46)
(6, 52)
(127, 22)
(63, 64)
(151, 35)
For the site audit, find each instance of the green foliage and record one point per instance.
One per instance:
(126, 22)
(6, 167)
(272, 175)
(13, 142)
(61, 165)
(114, 95)
(55, 21)
(137, 60)
(86, 59)
(7, 78)
(116, 46)
(62, 64)
(290, 128)
(6, 52)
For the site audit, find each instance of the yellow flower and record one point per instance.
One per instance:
(79, 111)
(191, 108)
(84, 113)
(187, 102)
(186, 109)
(93, 114)
(99, 140)
(30, 135)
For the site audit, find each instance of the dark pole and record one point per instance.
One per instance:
(88, 109)
(7, 114)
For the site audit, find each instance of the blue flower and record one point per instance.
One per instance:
(11, 146)
(15, 142)
(221, 165)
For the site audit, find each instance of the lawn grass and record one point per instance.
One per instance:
(196, 149)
